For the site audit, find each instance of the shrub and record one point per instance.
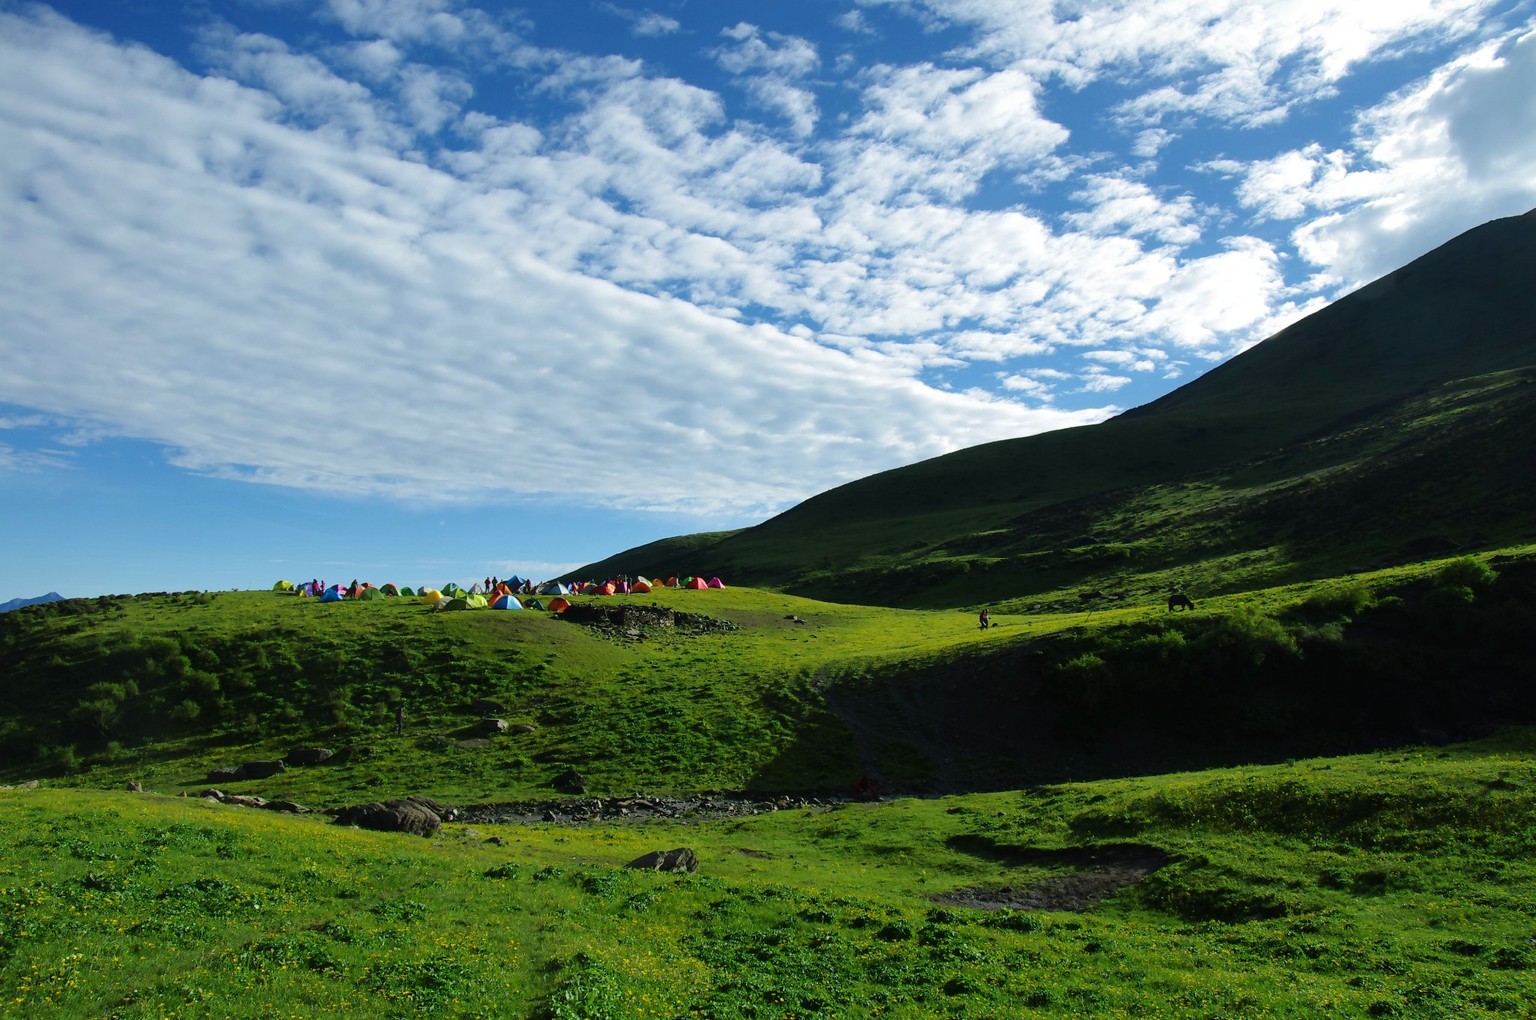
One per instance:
(1466, 572)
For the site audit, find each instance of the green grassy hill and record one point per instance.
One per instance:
(1397, 421)
(757, 690)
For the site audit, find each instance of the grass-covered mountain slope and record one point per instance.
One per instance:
(1397, 421)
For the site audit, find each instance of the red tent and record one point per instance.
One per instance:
(696, 583)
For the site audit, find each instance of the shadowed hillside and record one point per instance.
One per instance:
(1393, 423)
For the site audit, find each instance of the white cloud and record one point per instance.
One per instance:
(1097, 380)
(1126, 361)
(970, 118)
(1452, 150)
(770, 66)
(1120, 204)
(1233, 60)
(646, 24)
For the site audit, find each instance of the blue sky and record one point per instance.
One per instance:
(419, 290)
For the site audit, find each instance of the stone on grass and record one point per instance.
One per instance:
(262, 769)
(681, 859)
(421, 816)
(570, 781)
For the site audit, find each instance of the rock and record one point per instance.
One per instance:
(681, 859)
(286, 805)
(308, 755)
(491, 727)
(212, 794)
(226, 774)
(242, 800)
(570, 781)
(418, 815)
(485, 706)
(135, 787)
(522, 728)
(261, 769)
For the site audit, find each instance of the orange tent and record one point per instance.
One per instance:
(558, 605)
(639, 587)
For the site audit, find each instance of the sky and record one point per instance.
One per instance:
(426, 290)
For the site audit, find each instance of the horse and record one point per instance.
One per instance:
(1178, 600)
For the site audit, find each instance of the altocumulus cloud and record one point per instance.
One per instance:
(262, 283)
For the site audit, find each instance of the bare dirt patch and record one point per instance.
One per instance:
(1073, 879)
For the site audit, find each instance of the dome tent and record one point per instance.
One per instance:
(283, 586)
(506, 602)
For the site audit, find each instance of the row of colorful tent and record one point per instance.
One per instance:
(443, 600)
(503, 596)
(642, 585)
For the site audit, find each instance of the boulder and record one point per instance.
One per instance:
(260, 769)
(242, 800)
(681, 859)
(419, 815)
(485, 706)
(135, 787)
(522, 728)
(308, 755)
(570, 781)
(286, 805)
(491, 727)
(226, 774)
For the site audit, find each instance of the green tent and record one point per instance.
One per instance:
(283, 586)
(371, 594)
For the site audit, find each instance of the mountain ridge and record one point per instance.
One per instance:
(18, 603)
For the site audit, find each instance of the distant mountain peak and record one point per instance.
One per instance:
(52, 596)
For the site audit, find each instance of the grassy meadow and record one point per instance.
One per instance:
(1391, 884)
(1275, 805)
